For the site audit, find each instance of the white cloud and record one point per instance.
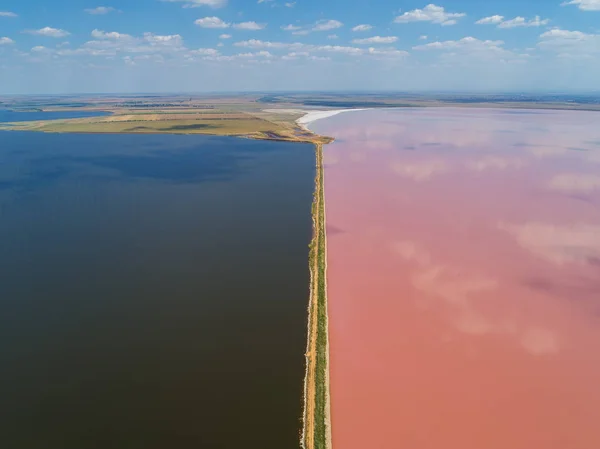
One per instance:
(326, 25)
(571, 43)
(113, 35)
(264, 1)
(291, 27)
(431, 13)
(6, 41)
(491, 20)
(49, 32)
(100, 10)
(225, 36)
(296, 55)
(39, 49)
(199, 3)
(113, 43)
(250, 26)
(363, 27)
(290, 4)
(204, 52)
(472, 50)
(333, 36)
(320, 25)
(258, 54)
(255, 43)
(173, 40)
(376, 40)
(585, 5)
(340, 49)
(424, 37)
(7, 14)
(522, 22)
(387, 52)
(467, 43)
(211, 22)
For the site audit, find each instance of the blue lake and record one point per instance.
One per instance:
(154, 291)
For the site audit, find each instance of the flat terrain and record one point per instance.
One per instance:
(463, 292)
(256, 116)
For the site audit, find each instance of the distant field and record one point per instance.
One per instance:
(257, 125)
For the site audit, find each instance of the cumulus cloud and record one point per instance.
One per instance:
(584, 5)
(296, 55)
(577, 243)
(363, 27)
(100, 10)
(49, 32)
(225, 36)
(249, 26)
(467, 43)
(211, 22)
(112, 43)
(332, 36)
(320, 25)
(7, 14)
(423, 37)
(113, 35)
(204, 52)
(431, 13)
(571, 43)
(376, 40)
(199, 3)
(421, 170)
(256, 43)
(290, 4)
(40, 49)
(326, 25)
(6, 41)
(494, 20)
(339, 49)
(522, 22)
(575, 182)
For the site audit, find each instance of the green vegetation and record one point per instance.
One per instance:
(316, 420)
(322, 384)
(253, 125)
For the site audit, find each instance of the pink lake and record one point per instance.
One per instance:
(464, 278)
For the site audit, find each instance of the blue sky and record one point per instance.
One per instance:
(75, 46)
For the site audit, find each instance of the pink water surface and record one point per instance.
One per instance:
(464, 278)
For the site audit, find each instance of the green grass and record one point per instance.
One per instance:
(217, 127)
(321, 386)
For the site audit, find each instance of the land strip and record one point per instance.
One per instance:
(316, 431)
(252, 125)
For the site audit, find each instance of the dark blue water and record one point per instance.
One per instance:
(153, 291)
(7, 115)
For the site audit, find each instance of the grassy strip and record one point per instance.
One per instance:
(320, 403)
(322, 388)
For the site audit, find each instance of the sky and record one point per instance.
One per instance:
(117, 46)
